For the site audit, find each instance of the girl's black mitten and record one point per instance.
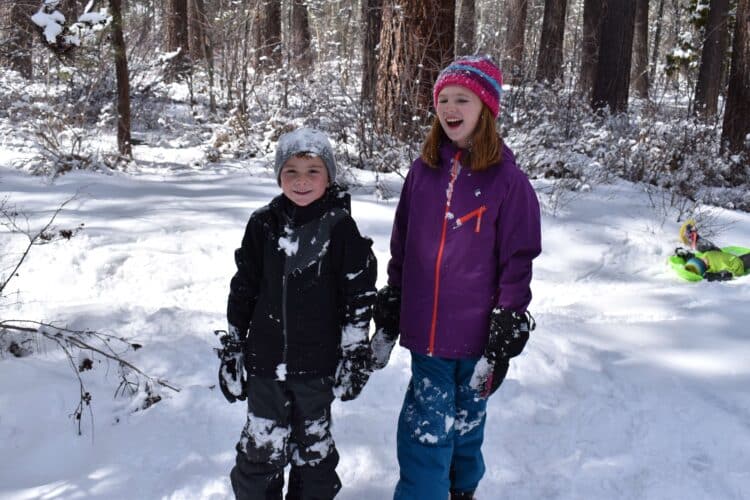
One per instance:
(509, 332)
(387, 314)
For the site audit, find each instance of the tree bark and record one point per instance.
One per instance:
(592, 12)
(639, 73)
(123, 81)
(416, 41)
(709, 81)
(177, 26)
(550, 60)
(513, 64)
(737, 112)
(657, 42)
(300, 34)
(615, 53)
(19, 42)
(372, 12)
(465, 31)
(269, 29)
(198, 24)
(177, 39)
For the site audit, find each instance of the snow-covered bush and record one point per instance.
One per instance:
(555, 135)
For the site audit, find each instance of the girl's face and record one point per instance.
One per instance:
(304, 179)
(458, 110)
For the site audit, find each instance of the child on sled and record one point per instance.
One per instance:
(710, 261)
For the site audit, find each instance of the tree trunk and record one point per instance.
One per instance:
(615, 53)
(465, 31)
(177, 39)
(269, 29)
(714, 50)
(372, 12)
(19, 42)
(737, 112)
(639, 73)
(123, 82)
(513, 65)
(550, 60)
(300, 33)
(592, 12)
(198, 24)
(657, 41)
(177, 26)
(207, 49)
(416, 41)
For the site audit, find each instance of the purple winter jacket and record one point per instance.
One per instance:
(492, 233)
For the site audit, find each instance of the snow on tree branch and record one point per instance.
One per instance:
(60, 37)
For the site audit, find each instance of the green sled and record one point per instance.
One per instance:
(678, 263)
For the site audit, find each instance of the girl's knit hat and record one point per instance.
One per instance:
(478, 74)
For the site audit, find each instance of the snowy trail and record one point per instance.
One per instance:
(633, 386)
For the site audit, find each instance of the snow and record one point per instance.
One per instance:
(634, 384)
(51, 22)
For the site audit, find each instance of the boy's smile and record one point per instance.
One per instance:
(304, 179)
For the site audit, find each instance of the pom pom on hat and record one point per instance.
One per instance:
(478, 74)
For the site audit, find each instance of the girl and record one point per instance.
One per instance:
(465, 232)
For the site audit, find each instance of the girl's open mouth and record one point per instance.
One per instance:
(453, 122)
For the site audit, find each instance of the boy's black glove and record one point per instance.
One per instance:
(353, 371)
(684, 253)
(387, 314)
(509, 332)
(232, 370)
(718, 276)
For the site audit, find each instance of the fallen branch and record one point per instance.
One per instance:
(95, 343)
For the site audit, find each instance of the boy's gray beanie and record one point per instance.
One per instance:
(305, 140)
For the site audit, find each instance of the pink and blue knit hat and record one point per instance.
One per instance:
(478, 74)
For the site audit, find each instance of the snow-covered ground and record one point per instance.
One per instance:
(635, 384)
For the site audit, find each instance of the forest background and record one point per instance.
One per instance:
(651, 91)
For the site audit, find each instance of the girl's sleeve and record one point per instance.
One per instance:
(245, 285)
(519, 241)
(398, 233)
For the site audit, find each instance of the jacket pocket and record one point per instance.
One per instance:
(474, 214)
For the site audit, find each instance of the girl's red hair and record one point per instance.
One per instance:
(485, 147)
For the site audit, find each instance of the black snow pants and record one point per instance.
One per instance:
(288, 422)
(746, 262)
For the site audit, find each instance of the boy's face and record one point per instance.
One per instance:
(304, 179)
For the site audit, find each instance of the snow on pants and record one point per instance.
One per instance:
(287, 422)
(440, 430)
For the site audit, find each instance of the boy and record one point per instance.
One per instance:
(299, 312)
(713, 264)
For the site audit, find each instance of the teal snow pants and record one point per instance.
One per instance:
(440, 430)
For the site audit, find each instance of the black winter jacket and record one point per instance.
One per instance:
(304, 275)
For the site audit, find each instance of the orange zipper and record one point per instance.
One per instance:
(433, 327)
(474, 213)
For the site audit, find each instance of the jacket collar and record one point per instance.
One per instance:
(334, 197)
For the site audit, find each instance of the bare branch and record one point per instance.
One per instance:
(77, 338)
(41, 237)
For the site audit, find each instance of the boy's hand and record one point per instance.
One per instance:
(353, 372)
(718, 276)
(683, 253)
(232, 369)
(387, 314)
(509, 332)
